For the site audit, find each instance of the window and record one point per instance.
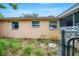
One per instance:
(15, 25)
(35, 23)
(69, 23)
(77, 23)
(52, 24)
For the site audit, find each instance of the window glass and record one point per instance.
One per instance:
(35, 23)
(15, 25)
(69, 23)
(52, 24)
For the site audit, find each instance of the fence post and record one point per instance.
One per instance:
(63, 43)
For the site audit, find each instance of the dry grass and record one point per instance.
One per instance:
(29, 47)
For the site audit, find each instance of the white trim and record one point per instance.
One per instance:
(73, 20)
(69, 11)
(58, 24)
(70, 28)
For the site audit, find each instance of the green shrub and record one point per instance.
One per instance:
(3, 47)
(24, 47)
(39, 52)
(27, 51)
(14, 47)
(52, 53)
(13, 44)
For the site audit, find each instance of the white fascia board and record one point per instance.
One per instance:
(69, 11)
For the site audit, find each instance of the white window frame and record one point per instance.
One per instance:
(35, 25)
(51, 24)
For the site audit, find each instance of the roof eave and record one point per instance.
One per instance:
(69, 11)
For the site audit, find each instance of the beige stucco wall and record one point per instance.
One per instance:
(27, 31)
(0, 28)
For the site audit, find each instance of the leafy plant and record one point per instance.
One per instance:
(52, 53)
(14, 46)
(39, 52)
(1, 15)
(13, 5)
(9, 46)
(27, 51)
(13, 43)
(3, 47)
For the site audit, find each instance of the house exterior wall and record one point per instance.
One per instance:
(0, 28)
(26, 30)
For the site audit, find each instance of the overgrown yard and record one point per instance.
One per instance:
(28, 47)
